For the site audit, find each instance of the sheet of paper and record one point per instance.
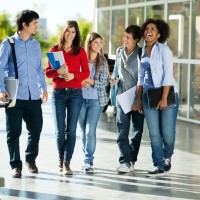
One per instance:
(126, 99)
(11, 87)
(56, 59)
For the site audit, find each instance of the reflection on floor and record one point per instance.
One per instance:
(182, 182)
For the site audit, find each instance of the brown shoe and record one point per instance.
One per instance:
(60, 164)
(32, 168)
(16, 173)
(67, 171)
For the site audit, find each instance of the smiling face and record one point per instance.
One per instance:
(70, 34)
(96, 45)
(151, 34)
(128, 41)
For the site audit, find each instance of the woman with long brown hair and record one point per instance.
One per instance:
(94, 96)
(67, 91)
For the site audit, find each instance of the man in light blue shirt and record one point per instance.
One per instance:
(32, 91)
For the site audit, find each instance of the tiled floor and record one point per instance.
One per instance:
(182, 182)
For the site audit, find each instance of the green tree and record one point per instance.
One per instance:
(6, 28)
(85, 28)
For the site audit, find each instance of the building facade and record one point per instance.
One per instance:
(183, 16)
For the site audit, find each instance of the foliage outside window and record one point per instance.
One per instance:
(195, 43)
(181, 78)
(155, 11)
(118, 2)
(178, 17)
(136, 16)
(117, 29)
(194, 108)
(103, 3)
(136, 1)
(104, 29)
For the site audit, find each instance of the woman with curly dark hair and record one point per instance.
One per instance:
(156, 70)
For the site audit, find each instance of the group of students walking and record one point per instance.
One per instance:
(79, 94)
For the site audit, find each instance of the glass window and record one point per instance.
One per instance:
(104, 29)
(136, 16)
(195, 42)
(195, 92)
(118, 2)
(136, 1)
(155, 11)
(178, 16)
(103, 3)
(117, 29)
(181, 78)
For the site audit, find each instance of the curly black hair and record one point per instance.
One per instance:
(161, 25)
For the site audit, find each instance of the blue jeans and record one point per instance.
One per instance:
(88, 120)
(129, 150)
(31, 112)
(162, 129)
(66, 106)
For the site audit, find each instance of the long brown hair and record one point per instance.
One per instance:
(76, 44)
(90, 37)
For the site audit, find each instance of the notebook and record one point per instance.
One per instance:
(154, 95)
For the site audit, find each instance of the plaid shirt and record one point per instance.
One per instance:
(101, 83)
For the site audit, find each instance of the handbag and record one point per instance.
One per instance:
(11, 83)
(155, 94)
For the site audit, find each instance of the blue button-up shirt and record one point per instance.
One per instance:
(161, 64)
(29, 64)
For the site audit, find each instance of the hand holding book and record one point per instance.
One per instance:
(56, 59)
(154, 96)
(64, 73)
(63, 70)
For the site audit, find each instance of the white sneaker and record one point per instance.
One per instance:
(132, 167)
(155, 172)
(123, 168)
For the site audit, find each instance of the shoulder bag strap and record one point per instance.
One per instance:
(12, 43)
(118, 57)
(139, 52)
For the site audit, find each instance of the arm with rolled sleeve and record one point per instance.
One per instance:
(167, 57)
